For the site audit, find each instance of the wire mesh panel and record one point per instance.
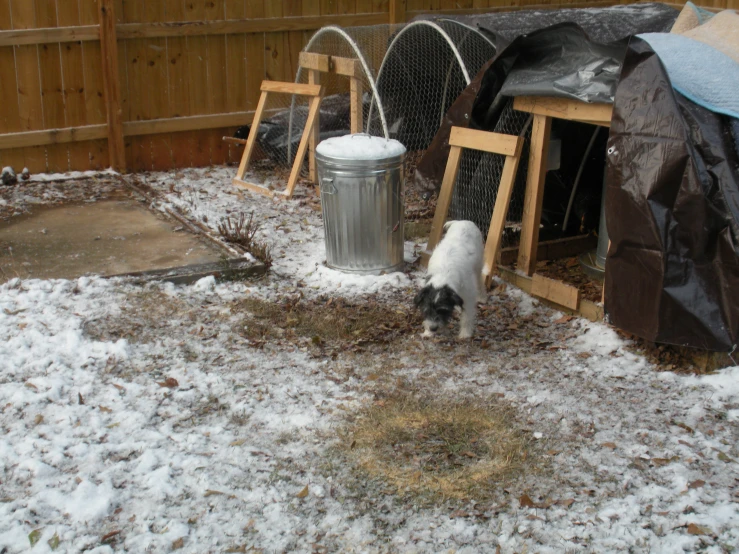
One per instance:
(479, 177)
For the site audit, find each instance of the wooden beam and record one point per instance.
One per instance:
(508, 8)
(502, 201)
(553, 249)
(348, 67)
(356, 91)
(111, 84)
(495, 143)
(315, 106)
(21, 37)
(239, 26)
(290, 88)
(444, 200)
(252, 140)
(315, 62)
(564, 108)
(314, 78)
(555, 291)
(53, 136)
(233, 140)
(189, 123)
(534, 194)
(398, 11)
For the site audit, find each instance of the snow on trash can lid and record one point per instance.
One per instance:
(360, 147)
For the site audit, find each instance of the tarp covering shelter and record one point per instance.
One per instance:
(672, 177)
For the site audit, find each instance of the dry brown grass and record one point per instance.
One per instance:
(334, 320)
(241, 232)
(461, 449)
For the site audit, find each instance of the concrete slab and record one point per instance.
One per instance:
(105, 238)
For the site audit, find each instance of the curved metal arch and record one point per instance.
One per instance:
(442, 33)
(362, 60)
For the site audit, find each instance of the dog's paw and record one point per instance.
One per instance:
(465, 335)
(482, 299)
(427, 334)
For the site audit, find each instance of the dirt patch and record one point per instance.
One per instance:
(325, 321)
(439, 449)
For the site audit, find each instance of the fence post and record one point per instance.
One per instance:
(397, 11)
(112, 85)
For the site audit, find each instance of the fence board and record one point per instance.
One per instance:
(213, 64)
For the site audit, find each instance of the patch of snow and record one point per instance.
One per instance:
(360, 147)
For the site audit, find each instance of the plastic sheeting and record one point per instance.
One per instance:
(672, 209)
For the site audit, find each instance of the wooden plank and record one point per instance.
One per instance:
(236, 73)
(178, 85)
(52, 136)
(51, 35)
(445, 198)
(111, 84)
(495, 143)
(196, 46)
(315, 62)
(291, 88)
(92, 75)
(57, 156)
(314, 78)
(73, 80)
(315, 105)
(156, 74)
(30, 106)
(264, 25)
(348, 67)
(217, 80)
(188, 123)
(356, 91)
(138, 149)
(564, 108)
(500, 211)
(9, 91)
(555, 291)
(251, 142)
(398, 11)
(238, 183)
(553, 249)
(534, 194)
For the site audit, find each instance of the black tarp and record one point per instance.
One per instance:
(672, 180)
(672, 210)
(567, 59)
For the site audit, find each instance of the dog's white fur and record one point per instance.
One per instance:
(457, 263)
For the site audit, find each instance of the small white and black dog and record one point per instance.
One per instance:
(454, 280)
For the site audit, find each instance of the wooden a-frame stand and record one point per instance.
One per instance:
(315, 92)
(316, 64)
(495, 143)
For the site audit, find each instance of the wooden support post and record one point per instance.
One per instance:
(445, 199)
(314, 78)
(252, 140)
(500, 211)
(111, 84)
(397, 11)
(534, 194)
(357, 105)
(315, 92)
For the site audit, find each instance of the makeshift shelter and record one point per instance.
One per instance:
(672, 166)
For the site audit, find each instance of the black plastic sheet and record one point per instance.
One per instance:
(672, 209)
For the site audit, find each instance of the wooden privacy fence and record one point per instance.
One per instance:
(155, 84)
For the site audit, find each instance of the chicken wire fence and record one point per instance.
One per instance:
(411, 74)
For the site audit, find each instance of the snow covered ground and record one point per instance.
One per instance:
(146, 418)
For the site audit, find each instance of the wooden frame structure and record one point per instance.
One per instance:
(315, 92)
(495, 143)
(544, 109)
(316, 64)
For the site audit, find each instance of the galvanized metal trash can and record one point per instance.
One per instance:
(362, 181)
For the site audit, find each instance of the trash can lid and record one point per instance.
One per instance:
(360, 146)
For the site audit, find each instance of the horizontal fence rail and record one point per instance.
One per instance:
(142, 85)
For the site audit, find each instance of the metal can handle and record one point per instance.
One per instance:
(327, 186)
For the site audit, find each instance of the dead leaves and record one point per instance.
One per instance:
(304, 493)
(696, 484)
(564, 319)
(169, 382)
(695, 529)
(525, 501)
(110, 536)
(179, 543)
(610, 445)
